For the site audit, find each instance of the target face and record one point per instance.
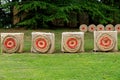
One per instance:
(92, 28)
(105, 42)
(41, 43)
(10, 44)
(109, 27)
(117, 27)
(83, 28)
(72, 44)
(100, 27)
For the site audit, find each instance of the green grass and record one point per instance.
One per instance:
(59, 66)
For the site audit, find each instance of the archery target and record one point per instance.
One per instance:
(42, 42)
(109, 27)
(105, 41)
(83, 28)
(72, 42)
(117, 27)
(11, 42)
(100, 27)
(92, 28)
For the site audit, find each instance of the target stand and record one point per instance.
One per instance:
(42, 42)
(72, 42)
(105, 41)
(12, 42)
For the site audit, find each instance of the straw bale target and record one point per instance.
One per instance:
(92, 28)
(72, 42)
(105, 41)
(12, 42)
(100, 27)
(42, 42)
(117, 27)
(109, 27)
(83, 28)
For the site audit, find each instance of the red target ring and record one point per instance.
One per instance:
(105, 42)
(101, 28)
(10, 44)
(41, 43)
(117, 27)
(109, 28)
(72, 43)
(92, 28)
(83, 28)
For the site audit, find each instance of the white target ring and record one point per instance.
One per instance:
(83, 28)
(10, 44)
(72, 44)
(92, 28)
(41, 43)
(105, 42)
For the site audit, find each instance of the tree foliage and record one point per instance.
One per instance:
(6, 12)
(41, 13)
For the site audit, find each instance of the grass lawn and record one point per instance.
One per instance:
(59, 66)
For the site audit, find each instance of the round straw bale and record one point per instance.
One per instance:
(72, 43)
(10, 44)
(117, 27)
(41, 43)
(109, 27)
(105, 42)
(100, 27)
(83, 28)
(92, 28)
